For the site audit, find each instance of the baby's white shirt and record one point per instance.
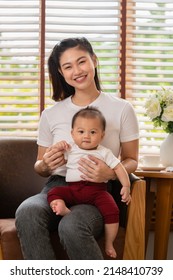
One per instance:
(75, 153)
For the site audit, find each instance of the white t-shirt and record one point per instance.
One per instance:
(75, 153)
(121, 123)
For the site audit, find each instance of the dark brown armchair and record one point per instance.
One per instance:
(18, 181)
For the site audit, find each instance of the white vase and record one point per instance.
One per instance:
(166, 151)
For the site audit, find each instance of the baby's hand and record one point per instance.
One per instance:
(125, 195)
(61, 146)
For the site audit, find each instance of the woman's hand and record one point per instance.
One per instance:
(95, 170)
(53, 158)
(49, 159)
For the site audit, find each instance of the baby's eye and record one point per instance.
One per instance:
(93, 132)
(80, 131)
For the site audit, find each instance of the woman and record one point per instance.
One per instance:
(73, 73)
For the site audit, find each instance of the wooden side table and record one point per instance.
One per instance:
(164, 202)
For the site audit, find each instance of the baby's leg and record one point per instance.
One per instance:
(111, 231)
(110, 212)
(58, 206)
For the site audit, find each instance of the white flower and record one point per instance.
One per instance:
(167, 115)
(153, 108)
(159, 108)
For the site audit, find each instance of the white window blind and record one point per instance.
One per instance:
(148, 34)
(149, 61)
(20, 53)
(99, 22)
(19, 60)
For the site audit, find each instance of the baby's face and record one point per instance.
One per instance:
(87, 133)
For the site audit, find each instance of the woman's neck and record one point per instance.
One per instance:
(84, 99)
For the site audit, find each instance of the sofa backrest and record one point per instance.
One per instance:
(18, 180)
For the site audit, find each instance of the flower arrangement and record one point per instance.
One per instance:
(159, 108)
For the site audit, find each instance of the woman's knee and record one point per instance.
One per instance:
(78, 230)
(32, 210)
(82, 218)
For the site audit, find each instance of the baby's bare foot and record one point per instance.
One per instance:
(64, 211)
(59, 208)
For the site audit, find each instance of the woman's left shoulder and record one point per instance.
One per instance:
(113, 99)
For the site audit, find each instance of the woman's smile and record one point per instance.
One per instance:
(81, 79)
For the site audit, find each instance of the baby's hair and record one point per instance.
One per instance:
(90, 112)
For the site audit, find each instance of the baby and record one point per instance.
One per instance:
(88, 130)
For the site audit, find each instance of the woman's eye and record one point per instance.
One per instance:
(68, 67)
(82, 61)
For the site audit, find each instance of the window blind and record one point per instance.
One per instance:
(147, 30)
(149, 61)
(21, 56)
(99, 22)
(19, 60)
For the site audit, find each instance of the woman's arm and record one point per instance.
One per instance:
(129, 155)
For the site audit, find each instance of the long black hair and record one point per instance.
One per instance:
(61, 89)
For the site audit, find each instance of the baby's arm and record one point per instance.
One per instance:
(125, 182)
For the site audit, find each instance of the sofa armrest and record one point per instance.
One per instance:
(134, 248)
(1, 258)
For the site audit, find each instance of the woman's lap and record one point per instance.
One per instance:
(35, 219)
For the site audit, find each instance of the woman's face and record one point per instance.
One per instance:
(78, 68)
